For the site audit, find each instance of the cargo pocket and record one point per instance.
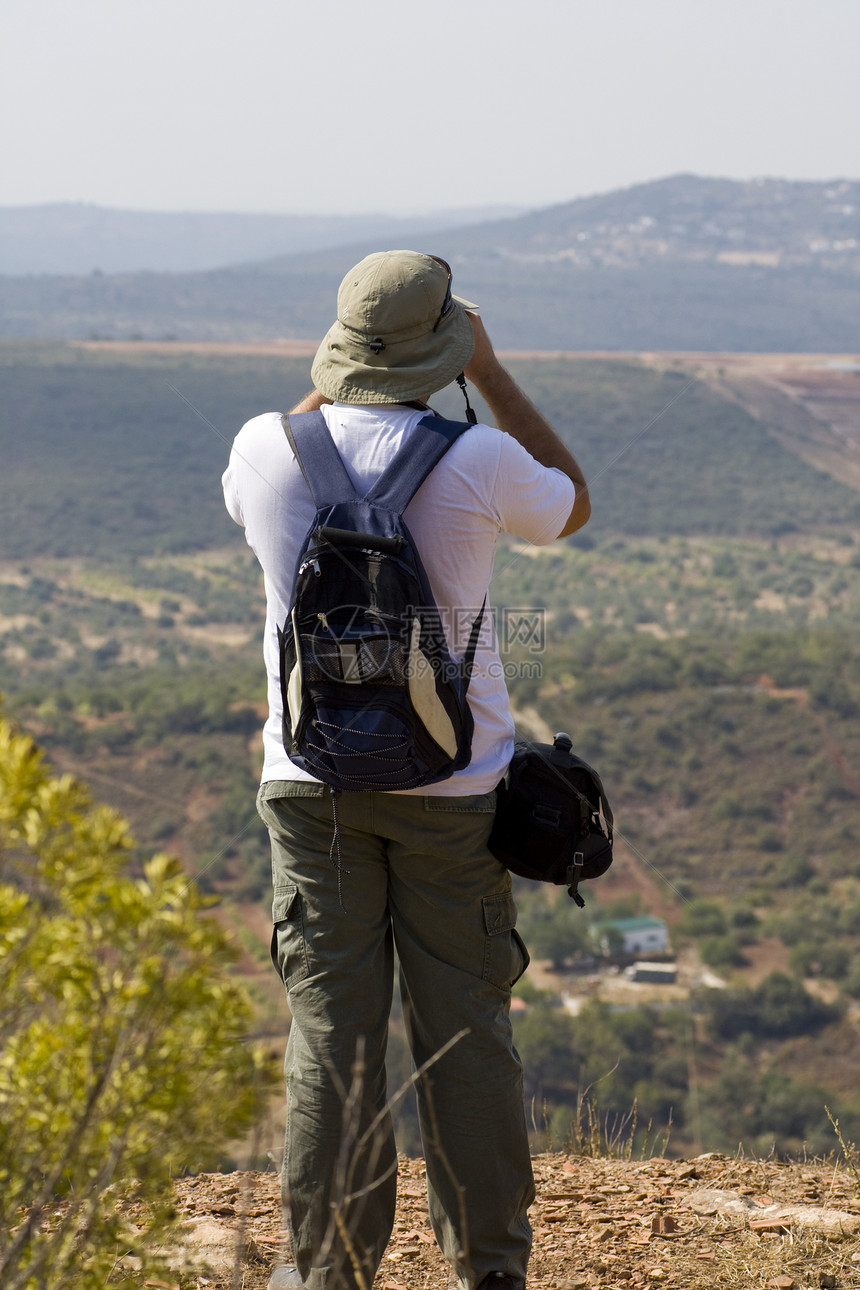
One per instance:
(288, 949)
(505, 955)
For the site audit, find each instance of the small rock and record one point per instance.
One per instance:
(210, 1246)
(827, 1281)
(781, 1283)
(656, 1274)
(764, 1225)
(834, 1224)
(663, 1225)
(710, 1200)
(207, 1244)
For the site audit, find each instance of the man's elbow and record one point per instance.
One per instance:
(580, 514)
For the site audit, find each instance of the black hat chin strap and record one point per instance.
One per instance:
(471, 415)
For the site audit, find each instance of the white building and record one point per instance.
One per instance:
(637, 936)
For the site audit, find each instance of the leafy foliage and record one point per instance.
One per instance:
(551, 924)
(777, 1008)
(123, 1058)
(761, 1111)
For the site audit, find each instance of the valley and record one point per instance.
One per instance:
(700, 645)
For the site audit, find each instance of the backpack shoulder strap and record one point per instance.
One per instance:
(405, 474)
(318, 458)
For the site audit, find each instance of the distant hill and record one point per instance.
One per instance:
(775, 223)
(115, 447)
(680, 264)
(79, 238)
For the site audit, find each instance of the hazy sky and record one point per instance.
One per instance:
(388, 105)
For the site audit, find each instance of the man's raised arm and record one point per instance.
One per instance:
(516, 415)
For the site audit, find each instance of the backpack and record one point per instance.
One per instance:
(548, 810)
(372, 698)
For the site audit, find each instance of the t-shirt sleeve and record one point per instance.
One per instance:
(231, 494)
(248, 445)
(533, 501)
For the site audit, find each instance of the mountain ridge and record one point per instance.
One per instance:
(71, 238)
(683, 263)
(803, 220)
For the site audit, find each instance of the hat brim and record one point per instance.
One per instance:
(347, 371)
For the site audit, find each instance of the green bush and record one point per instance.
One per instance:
(808, 958)
(553, 927)
(599, 1053)
(702, 918)
(778, 1008)
(546, 1039)
(745, 924)
(123, 1059)
(793, 871)
(720, 951)
(761, 1111)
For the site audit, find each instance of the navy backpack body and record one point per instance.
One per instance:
(372, 698)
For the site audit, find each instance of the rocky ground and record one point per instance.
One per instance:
(715, 1221)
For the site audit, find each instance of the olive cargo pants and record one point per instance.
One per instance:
(416, 874)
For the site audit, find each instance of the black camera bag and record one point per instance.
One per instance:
(548, 823)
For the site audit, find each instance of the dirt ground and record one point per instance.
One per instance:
(598, 1224)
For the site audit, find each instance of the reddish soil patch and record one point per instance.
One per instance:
(768, 955)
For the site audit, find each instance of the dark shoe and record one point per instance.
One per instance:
(289, 1278)
(500, 1281)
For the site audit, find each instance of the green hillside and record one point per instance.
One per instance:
(124, 453)
(700, 645)
(124, 456)
(730, 754)
(680, 305)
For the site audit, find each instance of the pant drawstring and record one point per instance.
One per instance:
(334, 850)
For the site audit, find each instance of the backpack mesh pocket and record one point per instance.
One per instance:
(357, 660)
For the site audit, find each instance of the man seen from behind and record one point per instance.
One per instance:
(415, 873)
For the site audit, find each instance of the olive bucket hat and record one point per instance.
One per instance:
(400, 334)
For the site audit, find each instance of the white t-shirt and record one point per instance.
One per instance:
(485, 483)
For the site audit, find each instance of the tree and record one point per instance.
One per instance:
(778, 1008)
(553, 927)
(123, 1057)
